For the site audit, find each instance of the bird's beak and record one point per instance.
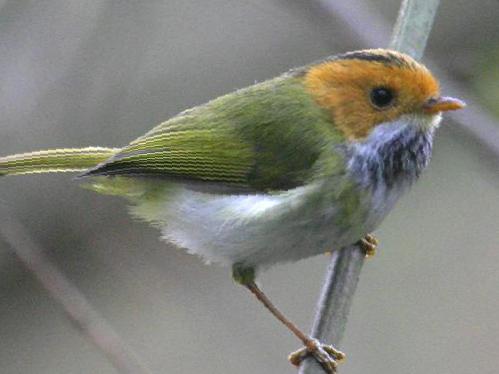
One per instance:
(442, 104)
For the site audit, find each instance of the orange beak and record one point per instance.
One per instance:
(442, 104)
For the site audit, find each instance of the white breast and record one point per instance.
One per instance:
(258, 230)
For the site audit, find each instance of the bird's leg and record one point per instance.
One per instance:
(326, 355)
(369, 243)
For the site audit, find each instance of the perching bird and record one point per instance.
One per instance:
(296, 166)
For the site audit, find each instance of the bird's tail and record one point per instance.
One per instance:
(54, 160)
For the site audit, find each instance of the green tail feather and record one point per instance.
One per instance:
(55, 160)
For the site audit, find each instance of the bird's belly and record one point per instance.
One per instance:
(258, 230)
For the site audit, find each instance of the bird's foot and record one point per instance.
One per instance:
(328, 356)
(369, 243)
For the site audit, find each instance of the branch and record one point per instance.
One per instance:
(410, 34)
(77, 308)
(413, 26)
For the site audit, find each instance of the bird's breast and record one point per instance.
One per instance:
(387, 163)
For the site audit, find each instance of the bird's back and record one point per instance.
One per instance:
(264, 138)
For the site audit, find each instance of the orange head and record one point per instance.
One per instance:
(365, 88)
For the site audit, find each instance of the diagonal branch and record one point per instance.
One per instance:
(77, 308)
(413, 26)
(410, 35)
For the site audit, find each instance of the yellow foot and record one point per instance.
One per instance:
(369, 244)
(328, 356)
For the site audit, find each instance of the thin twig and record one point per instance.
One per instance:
(476, 120)
(78, 309)
(413, 26)
(334, 302)
(410, 35)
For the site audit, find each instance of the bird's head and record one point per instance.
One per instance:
(364, 89)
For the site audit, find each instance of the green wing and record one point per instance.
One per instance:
(266, 137)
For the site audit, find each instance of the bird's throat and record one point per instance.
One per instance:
(393, 156)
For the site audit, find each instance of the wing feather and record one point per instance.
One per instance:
(265, 137)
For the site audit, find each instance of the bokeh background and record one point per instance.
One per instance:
(102, 72)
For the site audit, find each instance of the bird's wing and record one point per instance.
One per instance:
(265, 137)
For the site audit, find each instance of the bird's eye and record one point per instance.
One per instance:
(381, 97)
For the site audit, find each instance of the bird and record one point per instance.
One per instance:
(303, 164)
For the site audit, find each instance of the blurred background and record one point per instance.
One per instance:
(103, 72)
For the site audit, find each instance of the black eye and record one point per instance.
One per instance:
(381, 97)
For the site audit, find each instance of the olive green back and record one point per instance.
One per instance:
(265, 137)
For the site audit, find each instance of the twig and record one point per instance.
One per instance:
(77, 308)
(334, 302)
(413, 26)
(410, 35)
(477, 121)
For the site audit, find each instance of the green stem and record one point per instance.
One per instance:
(413, 26)
(414, 23)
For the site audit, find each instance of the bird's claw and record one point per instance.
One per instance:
(328, 356)
(369, 243)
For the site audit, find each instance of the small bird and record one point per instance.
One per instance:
(305, 163)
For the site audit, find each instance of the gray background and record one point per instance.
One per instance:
(76, 73)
